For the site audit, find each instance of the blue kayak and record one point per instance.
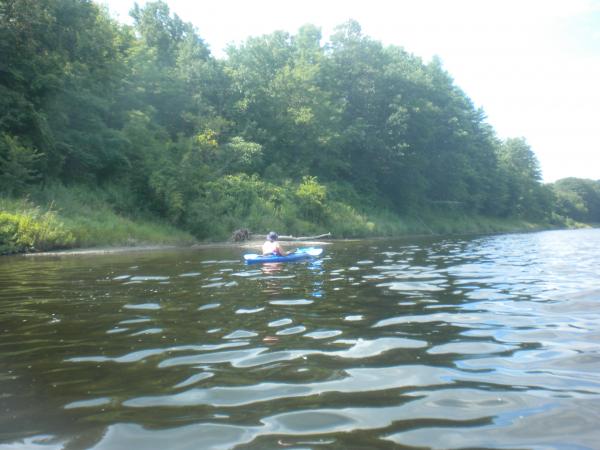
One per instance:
(298, 255)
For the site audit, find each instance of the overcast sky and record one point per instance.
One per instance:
(532, 65)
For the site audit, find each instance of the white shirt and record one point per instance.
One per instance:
(270, 247)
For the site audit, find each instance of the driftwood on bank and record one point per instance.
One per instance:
(302, 238)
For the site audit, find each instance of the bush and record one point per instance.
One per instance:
(235, 201)
(31, 230)
(311, 198)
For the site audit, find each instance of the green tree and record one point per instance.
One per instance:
(170, 64)
(520, 171)
(279, 104)
(62, 60)
(578, 199)
(17, 165)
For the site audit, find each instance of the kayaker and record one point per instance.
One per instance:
(272, 247)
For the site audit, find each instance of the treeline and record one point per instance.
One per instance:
(285, 132)
(577, 199)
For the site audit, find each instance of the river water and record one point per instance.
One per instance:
(449, 342)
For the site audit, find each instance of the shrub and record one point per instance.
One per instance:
(229, 203)
(31, 230)
(311, 198)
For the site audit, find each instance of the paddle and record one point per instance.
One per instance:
(311, 251)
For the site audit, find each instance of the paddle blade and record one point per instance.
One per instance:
(314, 251)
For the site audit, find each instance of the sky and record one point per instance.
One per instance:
(532, 65)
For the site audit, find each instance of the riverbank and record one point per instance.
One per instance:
(28, 227)
(253, 244)
(77, 223)
(247, 245)
(43, 234)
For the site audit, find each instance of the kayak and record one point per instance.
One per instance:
(299, 255)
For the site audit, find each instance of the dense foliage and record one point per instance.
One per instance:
(578, 199)
(285, 131)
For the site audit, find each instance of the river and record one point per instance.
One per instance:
(441, 342)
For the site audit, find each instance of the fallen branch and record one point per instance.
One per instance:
(304, 238)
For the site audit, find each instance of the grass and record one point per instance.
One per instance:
(428, 222)
(62, 218)
(25, 227)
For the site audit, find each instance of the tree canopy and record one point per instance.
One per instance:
(84, 98)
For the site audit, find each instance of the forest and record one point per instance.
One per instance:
(123, 134)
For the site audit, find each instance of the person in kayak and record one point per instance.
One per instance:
(272, 247)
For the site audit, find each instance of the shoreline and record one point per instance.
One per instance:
(249, 244)
(159, 247)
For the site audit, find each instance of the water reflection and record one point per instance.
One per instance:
(442, 343)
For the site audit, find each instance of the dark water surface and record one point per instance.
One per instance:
(442, 342)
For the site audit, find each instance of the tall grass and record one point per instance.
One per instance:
(24, 227)
(60, 217)
(90, 214)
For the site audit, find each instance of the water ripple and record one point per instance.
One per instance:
(437, 342)
(356, 380)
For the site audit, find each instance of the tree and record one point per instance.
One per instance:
(62, 59)
(578, 198)
(280, 104)
(520, 170)
(17, 165)
(171, 65)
